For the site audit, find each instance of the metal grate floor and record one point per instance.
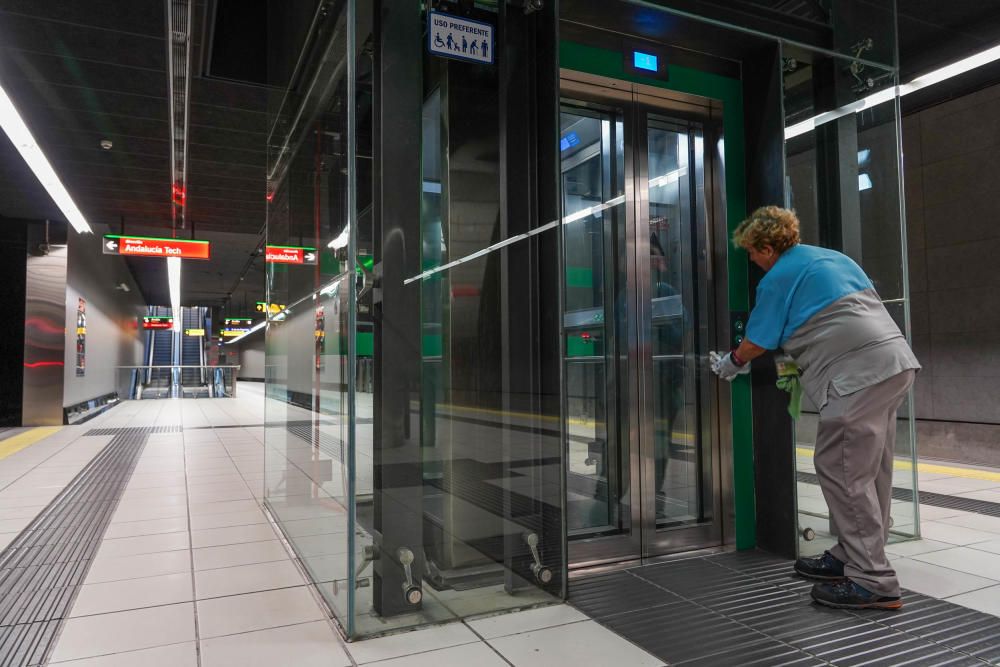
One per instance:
(43, 568)
(747, 608)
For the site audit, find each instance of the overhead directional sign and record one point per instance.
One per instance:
(287, 254)
(461, 38)
(272, 308)
(142, 246)
(194, 332)
(157, 322)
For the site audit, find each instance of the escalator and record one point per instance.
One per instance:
(156, 378)
(156, 381)
(193, 380)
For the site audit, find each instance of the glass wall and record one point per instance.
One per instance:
(844, 181)
(843, 176)
(413, 458)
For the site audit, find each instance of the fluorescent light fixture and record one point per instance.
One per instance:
(937, 76)
(29, 149)
(960, 67)
(174, 283)
(341, 241)
(864, 182)
(257, 327)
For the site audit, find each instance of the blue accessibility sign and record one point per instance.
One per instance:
(461, 38)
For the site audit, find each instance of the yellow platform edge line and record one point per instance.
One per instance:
(951, 471)
(21, 441)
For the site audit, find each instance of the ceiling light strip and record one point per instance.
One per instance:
(24, 142)
(990, 55)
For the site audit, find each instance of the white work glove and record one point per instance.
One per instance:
(725, 367)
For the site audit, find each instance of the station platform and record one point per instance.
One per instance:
(139, 538)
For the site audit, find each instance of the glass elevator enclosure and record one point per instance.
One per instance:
(412, 418)
(492, 367)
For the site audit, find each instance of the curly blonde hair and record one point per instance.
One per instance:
(768, 226)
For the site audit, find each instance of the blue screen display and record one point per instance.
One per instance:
(569, 141)
(646, 61)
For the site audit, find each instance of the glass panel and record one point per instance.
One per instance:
(843, 179)
(861, 29)
(675, 210)
(308, 437)
(593, 173)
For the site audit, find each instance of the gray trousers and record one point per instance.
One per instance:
(853, 457)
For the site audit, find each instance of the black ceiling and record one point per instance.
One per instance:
(81, 72)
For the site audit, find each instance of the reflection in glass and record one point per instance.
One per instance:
(681, 453)
(592, 148)
(843, 181)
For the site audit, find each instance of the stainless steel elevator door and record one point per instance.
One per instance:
(640, 407)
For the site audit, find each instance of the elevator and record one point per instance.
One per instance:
(642, 183)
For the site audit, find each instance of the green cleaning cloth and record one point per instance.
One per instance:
(788, 380)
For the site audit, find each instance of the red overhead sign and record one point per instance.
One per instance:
(143, 246)
(283, 254)
(157, 323)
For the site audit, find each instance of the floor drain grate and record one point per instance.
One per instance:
(746, 608)
(43, 568)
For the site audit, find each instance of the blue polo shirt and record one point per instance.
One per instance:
(803, 281)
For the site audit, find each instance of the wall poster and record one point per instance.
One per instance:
(81, 338)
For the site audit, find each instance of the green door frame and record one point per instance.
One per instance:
(606, 63)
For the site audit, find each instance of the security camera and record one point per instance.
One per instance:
(123, 287)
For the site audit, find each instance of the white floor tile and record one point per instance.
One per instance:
(154, 527)
(932, 513)
(958, 485)
(175, 655)
(993, 546)
(958, 535)
(244, 518)
(964, 559)
(223, 507)
(232, 555)
(132, 594)
(985, 600)
(479, 654)
(585, 644)
(524, 621)
(247, 579)
(143, 565)
(981, 522)
(914, 547)
(20, 512)
(213, 537)
(14, 525)
(935, 580)
(144, 544)
(125, 631)
(990, 495)
(407, 643)
(257, 611)
(125, 513)
(306, 645)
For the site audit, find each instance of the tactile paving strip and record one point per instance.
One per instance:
(43, 568)
(748, 608)
(927, 498)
